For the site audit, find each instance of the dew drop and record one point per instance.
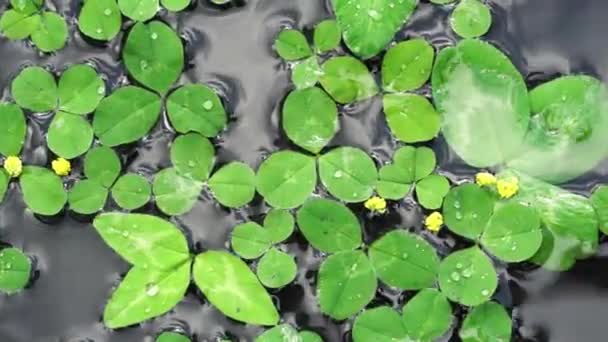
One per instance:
(485, 292)
(147, 310)
(143, 64)
(457, 205)
(404, 256)
(191, 163)
(152, 290)
(458, 215)
(374, 14)
(455, 276)
(467, 273)
(338, 174)
(107, 11)
(125, 233)
(458, 265)
(154, 36)
(208, 105)
(99, 30)
(101, 90)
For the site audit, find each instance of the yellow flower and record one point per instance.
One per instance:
(507, 187)
(13, 166)
(485, 179)
(434, 222)
(376, 204)
(62, 167)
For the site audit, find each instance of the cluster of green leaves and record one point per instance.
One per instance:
(287, 333)
(15, 270)
(27, 18)
(161, 272)
(102, 20)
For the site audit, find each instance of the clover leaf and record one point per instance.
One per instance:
(291, 45)
(174, 193)
(19, 24)
(4, 181)
(233, 185)
(280, 225)
(250, 241)
(467, 209)
(15, 270)
(471, 19)
(131, 191)
(100, 19)
(35, 89)
(12, 130)
(170, 336)
(69, 135)
(407, 65)
(280, 333)
(327, 36)
(411, 118)
(431, 191)
(347, 80)
(487, 322)
(138, 10)
(276, 269)
(193, 156)
(306, 73)
(42, 190)
(175, 5)
(348, 173)
(599, 200)
(87, 197)
(379, 324)
(80, 89)
(309, 336)
(196, 108)
(52, 32)
(102, 165)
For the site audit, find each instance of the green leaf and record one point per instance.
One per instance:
(404, 260)
(291, 45)
(175, 5)
(480, 123)
(310, 118)
(52, 32)
(196, 108)
(407, 65)
(233, 185)
(327, 36)
(146, 293)
(487, 322)
(329, 226)
(100, 19)
(193, 156)
(348, 173)
(15, 270)
(346, 284)
(380, 324)
(569, 122)
(174, 193)
(513, 233)
(368, 25)
(411, 118)
(309, 336)
(102, 165)
(16, 25)
(249, 240)
(306, 73)
(12, 130)
(279, 224)
(43, 191)
(427, 316)
(27, 6)
(442, 2)
(409, 165)
(131, 191)
(468, 277)
(231, 286)
(471, 19)
(154, 55)
(599, 200)
(69, 135)
(4, 182)
(87, 197)
(138, 10)
(35, 89)
(347, 80)
(286, 179)
(467, 209)
(431, 190)
(169, 336)
(143, 240)
(80, 90)
(126, 115)
(276, 269)
(280, 333)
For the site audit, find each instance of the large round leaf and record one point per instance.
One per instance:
(348, 173)
(87, 197)
(196, 108)
(15, 270)
(411, 117)
(487, 322)
(43, 191)
(80, 90)
(347, 80)
(407, 65)
(100, 19)
(427, 316)
(35, 89)
(174, 193)
(467, 209)
(12, 130)
(233, 185)
(193, 156)
(69, 135)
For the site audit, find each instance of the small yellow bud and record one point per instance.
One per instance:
(62, 167)
(376, 204)
(507, 187)
(13, 166)
(434, 222)
(485, 179)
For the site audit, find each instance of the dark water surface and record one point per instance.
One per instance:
(230, 49)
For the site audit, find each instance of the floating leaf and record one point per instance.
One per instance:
(175, 194)
(279, 224)
(126, 115)
(233, 185)
(35, 89)
(138, 10)
(442, 2)
(154, 55)
(87, 197)
(346, 284)
(43, 191)
(196, 108)
(249, 240)
(468, 277)
(16, 25)
(52, 32)
(483, 102)
(276, 269)
(169, 336)
(175, 5)
(69, 135)
(380, 324)
(409, 165)
(102, 165)
(230, 286)
(146, 293)
(4, 181)
(309, 336)
(131, 191)
(427, 316)
(599, 200)
(404, 260)
(100, 19)
(291, 45)
(280, 333)
(15, 270)
(286, 179)
(487, 322)
(368, 26)
(12, 130)
(411, 118)
(143, 240)
(407, 65)
(80, 90)
(329, 226)
(193, 156)
(348, 173)
(310, 118)
(27, 6)
(471, 19)
(467, 209)
(327, 36)
(306, 73)
(347, 80)
(431, 190)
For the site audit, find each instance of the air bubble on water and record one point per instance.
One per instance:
(455, 276)
(208, 105)
(152, 290)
